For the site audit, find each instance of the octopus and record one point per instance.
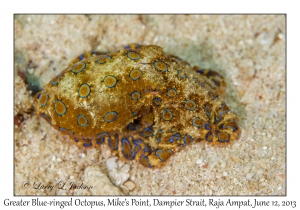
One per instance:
(143, 103)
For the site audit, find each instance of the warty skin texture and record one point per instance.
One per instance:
(143, 103)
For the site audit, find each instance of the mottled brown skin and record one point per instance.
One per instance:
(127, 116)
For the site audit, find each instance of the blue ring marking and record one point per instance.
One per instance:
(146, 158)
(103, 138)
(131, 72)
(207, 111)
(85, 124)
(209, 137)
(137, 143)
(133, 113)
(158, 152)
(56, 81)
(137, 146)
(117, 142)
(113, 119)
(149, 131)
(194, 124)
(223, 112)
(169, 111)
(157, 101)
(87, 144)
(38, 96)
(191, 109)
(44, 104)
(134, 151)
(178, 72)
(159, 61)
(185, 139)
(176, 136)
(110, 76)
(88, 92)
(76, 72)
(64, 106)
(130, 126)
(223, 141)
(128, 55)
(159, 139)
(126, 141)
(231, 127)
(171, 89)
(103, 56)
(76, 140)
(95, 53)
(207, 126)
(81, 56)
(147, 149)
(127, 47)
(135, 92)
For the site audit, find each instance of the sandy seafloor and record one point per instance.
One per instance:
(249, 50)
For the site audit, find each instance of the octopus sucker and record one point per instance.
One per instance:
(143, 103)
